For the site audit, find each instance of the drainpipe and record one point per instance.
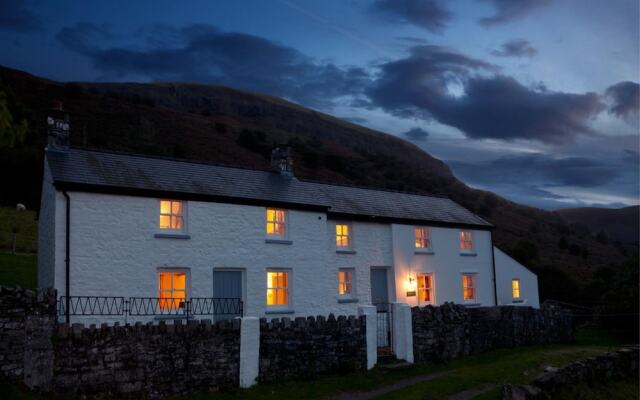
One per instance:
(67, 255)
(495, 285)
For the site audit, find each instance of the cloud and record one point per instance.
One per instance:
(625, 97)
(16, 16)
(509, 10)
(203, 53)
(436, 82)
(515, 48)
(416, 134)
(426, 14)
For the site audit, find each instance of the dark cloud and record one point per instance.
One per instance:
(509, 10)
(416, 134)
(515, 48)
(16, 16)
(424, 85)
(431, 15)
(203, 53)
(625, 97)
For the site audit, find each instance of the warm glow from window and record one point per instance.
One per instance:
(276, 224)
(345, 279)
(343, 235)
(466, 242)
(468, 287)
(277, 288)
(172, 289)
(423, 240)
(515, 288)
(425, 288)
(171, 215)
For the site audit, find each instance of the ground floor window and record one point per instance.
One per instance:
(469, 287)
(172, 289)
(425, 289)
(345, 282)
(515, 288)
(278, 288)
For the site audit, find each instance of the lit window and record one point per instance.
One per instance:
(343, 235)
(515, 288)
(276, 222)
(425, 288)
(466, 241)
(172, 289)
(277, 288)
(469, 287)
(172, 215)
(423, 238)
(345, 282)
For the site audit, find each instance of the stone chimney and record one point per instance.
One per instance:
(281, 160)
(57, 127)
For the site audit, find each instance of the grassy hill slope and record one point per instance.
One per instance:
(616, 224)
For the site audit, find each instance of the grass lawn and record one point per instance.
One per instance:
(19, 269)
(27, 235)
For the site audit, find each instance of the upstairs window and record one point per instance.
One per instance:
(172, 215)
(466, 241)
(469, 287)
(343, 236)
(423, 238)
(345, 282)
(277, 288)
(515, 288)
(425, 289)
(172, 289)
(276, 222)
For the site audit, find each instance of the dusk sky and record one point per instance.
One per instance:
(536, 100)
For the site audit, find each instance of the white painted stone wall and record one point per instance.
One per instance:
(447, 264)
(507, 269)
(46, 234)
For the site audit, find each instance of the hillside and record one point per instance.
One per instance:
(617, 224)
(228, 126)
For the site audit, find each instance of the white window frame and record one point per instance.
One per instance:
(280, 307)
(426, 237)
(349, 236)
(519, 289)
(285, 224)
(183, 216)
(474, 282)
(462, 239)
(432, 289)
(351, 282)
(174, 270)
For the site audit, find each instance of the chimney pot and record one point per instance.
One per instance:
(282, 161)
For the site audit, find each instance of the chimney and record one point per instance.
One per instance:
(281, 160)
(57, 127)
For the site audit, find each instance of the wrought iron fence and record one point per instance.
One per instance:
(149, 306)
(384, 322)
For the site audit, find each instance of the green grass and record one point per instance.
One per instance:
(27, 230)
(19, 269)
(620, 390)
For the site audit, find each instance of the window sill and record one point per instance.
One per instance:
(348, 300)
(345, 251)
(421, 251)
(518, 301)
(465, 254)
(172, 236)
(278, 241)
(280, 311)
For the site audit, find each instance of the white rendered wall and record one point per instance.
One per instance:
(46, 231)
(507, 269)
(446, 263)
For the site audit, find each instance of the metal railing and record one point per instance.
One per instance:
(384, 321)
(148, 306)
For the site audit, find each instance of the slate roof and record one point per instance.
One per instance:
(101, 171)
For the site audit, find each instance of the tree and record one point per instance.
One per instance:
(11, 134)
(562, 243)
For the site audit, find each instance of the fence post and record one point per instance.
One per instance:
(370, 314)
(249, 351)
(402, 332)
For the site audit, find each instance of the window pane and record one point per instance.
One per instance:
(279, 229)
(427, 281)
(165, 222)
(165, 281)
(176, 207)
(271, 214)
(165, 207)
(179, 281)
(272, 279)
(427, 295)
(280, 216)
(421, 282)
(271, 298)
(282, 297)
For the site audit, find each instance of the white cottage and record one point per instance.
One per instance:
(123, 230)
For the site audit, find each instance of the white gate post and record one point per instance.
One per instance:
(402, 332)
(371, 316)
(249, 351)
